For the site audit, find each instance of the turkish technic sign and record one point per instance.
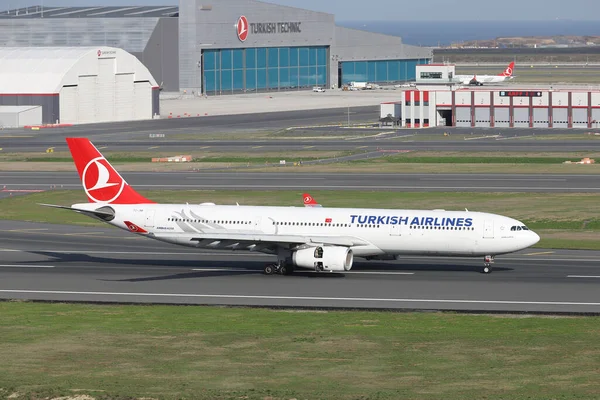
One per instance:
(244, 27)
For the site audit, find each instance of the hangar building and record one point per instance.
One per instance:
(496, 108)
(223, 46)
(77, 84)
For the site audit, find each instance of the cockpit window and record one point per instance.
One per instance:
(519, 228)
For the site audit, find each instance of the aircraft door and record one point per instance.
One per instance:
(265, 225)
(395, 230)
(488, 229)
(149, 223)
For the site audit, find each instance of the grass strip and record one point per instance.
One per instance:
(130, 352)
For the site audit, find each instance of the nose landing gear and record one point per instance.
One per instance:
(487, 264)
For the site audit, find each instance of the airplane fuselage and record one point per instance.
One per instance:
(373, 232)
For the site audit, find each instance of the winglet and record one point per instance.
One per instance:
(309, 201)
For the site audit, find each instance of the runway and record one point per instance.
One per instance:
(199, 147)
(66, 263)
(197, 135)
(124, 131)
(499, 182)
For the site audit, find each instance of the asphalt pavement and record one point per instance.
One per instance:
(68, 263)
(549, 183)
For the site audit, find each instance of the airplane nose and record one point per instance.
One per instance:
(534, 238)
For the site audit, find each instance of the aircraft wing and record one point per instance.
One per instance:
(262, 240)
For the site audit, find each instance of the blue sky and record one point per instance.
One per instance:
(400, 10)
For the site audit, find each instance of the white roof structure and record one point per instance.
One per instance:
(45, 70)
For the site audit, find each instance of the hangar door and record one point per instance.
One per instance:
(86, 99)
(501, 117)
(521, 117)
(482, 117)
(105, 90)
(560, 118)
(596, 115)
(463, 116)
(540, 117)
(67, 99)
(580, 118)
(142, 103)
(124, 97)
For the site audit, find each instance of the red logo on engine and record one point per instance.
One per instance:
(242, 28)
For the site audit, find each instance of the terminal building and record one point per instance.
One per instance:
(495, 108)
(218, 47)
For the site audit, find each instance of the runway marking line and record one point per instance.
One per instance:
(28, 230)
(377, 273)
(205, 147)
(25, 266)
(82, 233)
(258, 147)
(301, 298)
(583, 276)
(540, 253)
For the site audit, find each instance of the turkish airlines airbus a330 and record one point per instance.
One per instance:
(314, 238)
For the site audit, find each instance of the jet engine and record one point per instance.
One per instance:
(324, 258)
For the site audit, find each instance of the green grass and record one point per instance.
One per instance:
(563, 220)
(254, 155)
(128, 352)
(476, 160)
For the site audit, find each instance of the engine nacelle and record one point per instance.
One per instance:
(324, 258)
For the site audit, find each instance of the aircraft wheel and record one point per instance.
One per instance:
(286, 270)
(269, 269)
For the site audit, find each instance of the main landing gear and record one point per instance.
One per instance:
(281, 268)
(487, 264)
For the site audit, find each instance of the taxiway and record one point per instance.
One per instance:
(191, 180)
(69, 263)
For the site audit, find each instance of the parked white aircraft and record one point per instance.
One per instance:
(479, 80)
(317, 238)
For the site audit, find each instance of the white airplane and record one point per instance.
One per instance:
(317, 239)
(481, 79)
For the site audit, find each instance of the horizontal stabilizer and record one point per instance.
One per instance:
(103, 213)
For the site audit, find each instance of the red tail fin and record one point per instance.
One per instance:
(309, 201)
(509, 70)
(101, 182)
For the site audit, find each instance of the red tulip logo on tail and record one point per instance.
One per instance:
(101, 183)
